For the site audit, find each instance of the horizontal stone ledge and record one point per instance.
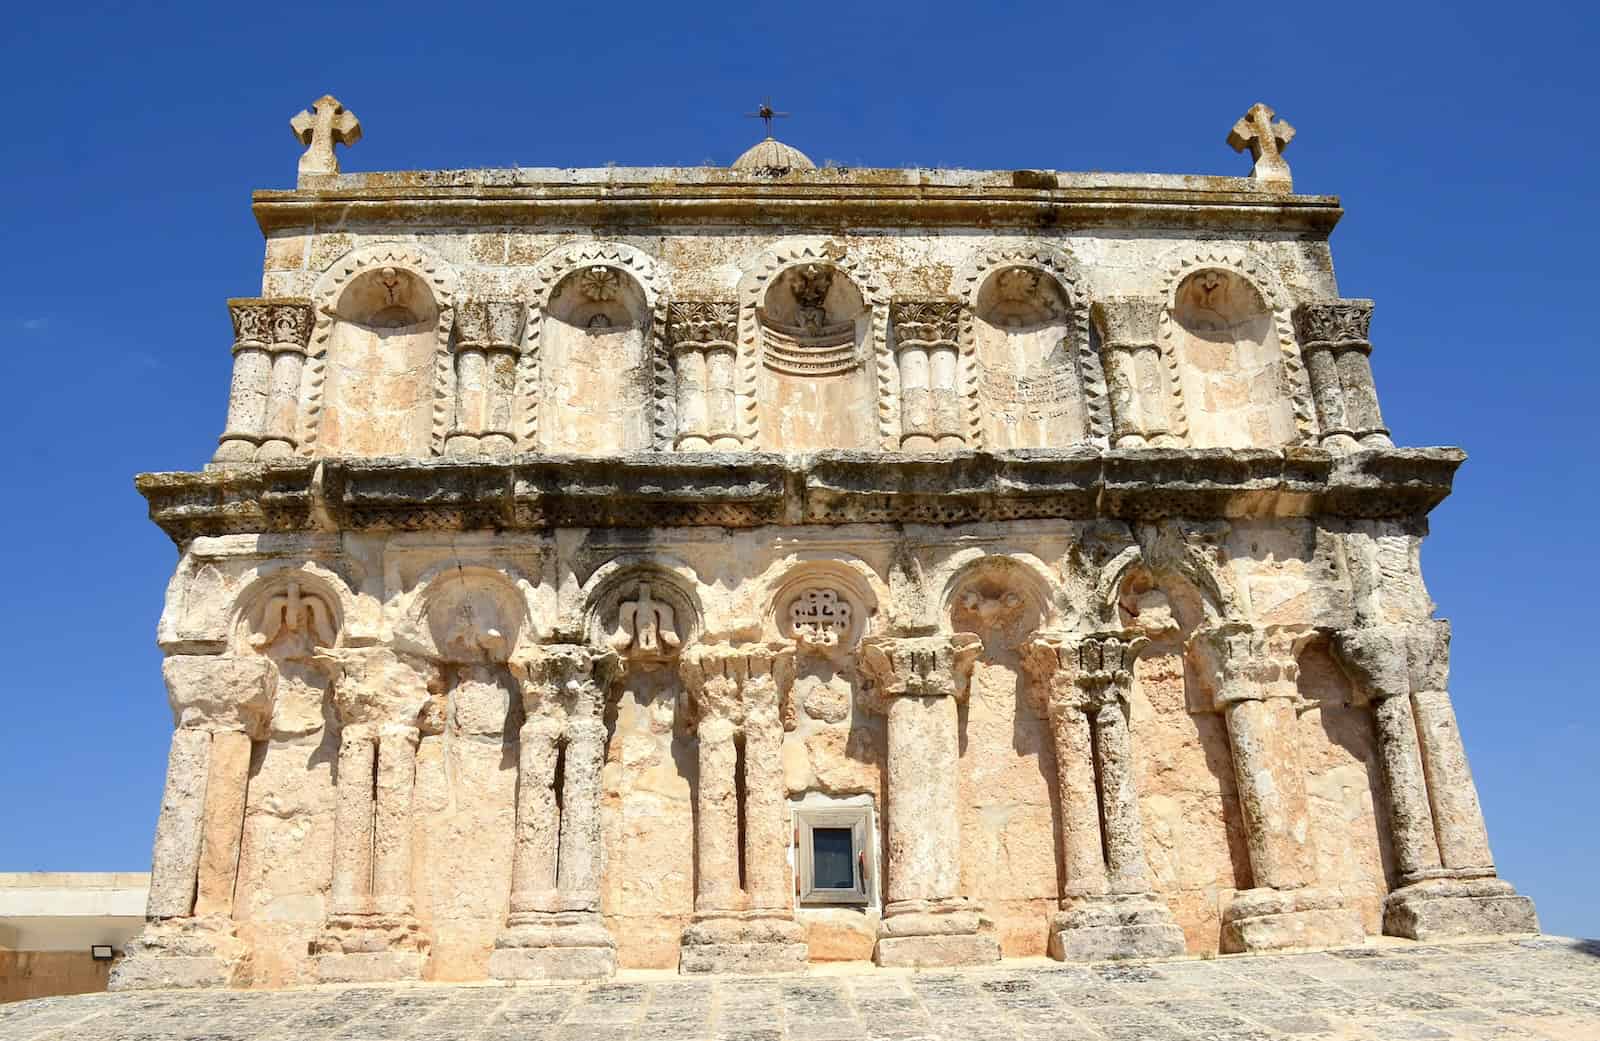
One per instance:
(751, 489)
(797, 205)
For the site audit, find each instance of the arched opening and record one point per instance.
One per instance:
(817, 387)
(594, 361)
(378, 391)
(1229, 358)
(1030, 394)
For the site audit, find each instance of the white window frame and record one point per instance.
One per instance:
(854, 813)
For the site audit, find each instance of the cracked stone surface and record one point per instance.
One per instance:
(1546, 988)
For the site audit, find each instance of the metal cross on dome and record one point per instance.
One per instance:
(766, 114)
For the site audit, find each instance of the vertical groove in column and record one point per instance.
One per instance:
(226, 781)
(353, 819)
(176, 861)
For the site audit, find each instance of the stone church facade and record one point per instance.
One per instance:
(732, 569)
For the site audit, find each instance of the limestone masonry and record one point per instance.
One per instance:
(734, 569)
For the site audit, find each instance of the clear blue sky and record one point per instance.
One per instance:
(1461, 137)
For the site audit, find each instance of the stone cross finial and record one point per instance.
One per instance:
(1266, 141)
(325, 124)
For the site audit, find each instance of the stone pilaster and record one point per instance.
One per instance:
(1337, 352)
(252, 380)
(1107, 907)
(702, 337)
(926, 334)
(734, 694)
(291, 335)
(221, 705)
(1145, 402)
(554, 929)
(1254, 672)
(1448, 885)
(916, 681)
(488, 343)
(372, 932)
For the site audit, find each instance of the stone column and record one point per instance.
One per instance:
(554, 929)
(1333, 341)
(1143, 398)
(1448, 884)
(926, 333)
(1107, 907)
(488, 342)
(371, 932)
(734, 694)
(252, 380)
(701, 337)
(221, 704)
(1254, 673)
(291, 334)
(926, 923)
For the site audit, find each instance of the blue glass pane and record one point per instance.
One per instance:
(833, 861)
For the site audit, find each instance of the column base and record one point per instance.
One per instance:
(751, 942)
(181, 953)
(369, 948)
(1445, 907)
(560, 945)
(1272, 919)
(1109, 928)
(917, 934)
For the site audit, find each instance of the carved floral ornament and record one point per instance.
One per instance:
(293, 609)
(1335, 322)
(702, 323)
(926, 321)
(647, 628)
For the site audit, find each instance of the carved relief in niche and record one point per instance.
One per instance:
(595, 364)
(475, 618)
(377, 396)
(1230, 363)
(644, 617)
(289, 622)
(998, 602)
(1029, 391)
(816, 389)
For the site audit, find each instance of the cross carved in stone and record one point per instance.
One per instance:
(326, 123)
(1266, 141)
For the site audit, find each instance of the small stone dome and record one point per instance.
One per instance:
(773, 157)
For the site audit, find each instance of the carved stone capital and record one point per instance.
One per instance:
(1249, 662)
(732, 683)
(221, 692)
(920, 666)
(292, 319)
(490, 325)
(926, 323)
(1333, 323)
(564, 679)
(1127, 321)
(1375, 659)
(1081, 673)
(252, 323)
(702, 323)
(379, 685)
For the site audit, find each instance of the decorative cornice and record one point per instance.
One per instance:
(823, 200)
(747, 489)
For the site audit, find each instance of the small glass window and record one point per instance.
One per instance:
(834, 851)
(833, 858)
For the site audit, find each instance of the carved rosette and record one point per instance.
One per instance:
(702, 338)
(488, 343)
(1334, 341)
(927, 353)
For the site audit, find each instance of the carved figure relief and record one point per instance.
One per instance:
(1229, 360)
(647, 628)
(595, 365)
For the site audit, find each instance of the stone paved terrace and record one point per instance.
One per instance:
(1538, 988)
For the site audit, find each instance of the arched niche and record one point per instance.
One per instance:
(288, 615)
(378, 354)
(1025, 329)
(1230, 362)
(470, 614)
(817, 381)
(1001, 598)
(643, 611)
(595, 364)
(824, 606)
